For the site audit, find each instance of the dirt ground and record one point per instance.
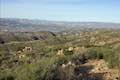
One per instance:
(99, 70)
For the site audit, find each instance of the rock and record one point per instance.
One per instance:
(21, 56)
(60, 52)
(19, 52)
(80, 50)
(102, 43)
(92, 39)
(69, 63)
(70, 49)
(63, 65)
(29, 49)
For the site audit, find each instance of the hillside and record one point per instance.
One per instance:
(6, 37)
(86, 54)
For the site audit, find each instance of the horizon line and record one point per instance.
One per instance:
(59, 20)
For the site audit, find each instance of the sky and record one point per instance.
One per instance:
(62, 10)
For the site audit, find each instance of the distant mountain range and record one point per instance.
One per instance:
(12, 24)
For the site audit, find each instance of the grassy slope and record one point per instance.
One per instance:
(42, 63)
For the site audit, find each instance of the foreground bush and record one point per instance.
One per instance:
(111, 56)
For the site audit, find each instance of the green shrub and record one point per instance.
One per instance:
(6, 75)
(44, 69)
(113, 58)
(66, 52)
(95, 54)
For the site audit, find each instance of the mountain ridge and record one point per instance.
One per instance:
(22, 25)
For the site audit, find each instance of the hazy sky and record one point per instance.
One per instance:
(63, 10)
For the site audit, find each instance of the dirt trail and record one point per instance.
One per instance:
(101, 71)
